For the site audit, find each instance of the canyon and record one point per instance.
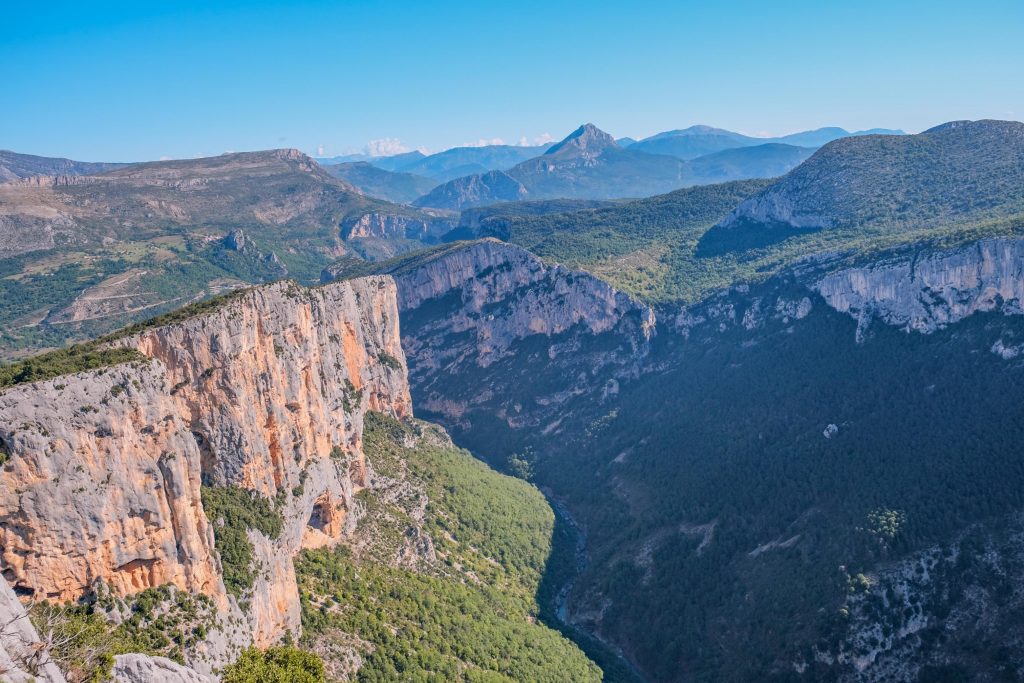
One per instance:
(567, 399)
(772, 422)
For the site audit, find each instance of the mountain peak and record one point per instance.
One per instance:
(588, 139)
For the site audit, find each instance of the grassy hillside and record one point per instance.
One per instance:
(81, 259)
(444, 592)
(958, 169)
(644, 247)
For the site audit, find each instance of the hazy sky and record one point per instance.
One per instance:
(143, 80)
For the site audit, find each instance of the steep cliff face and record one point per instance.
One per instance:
(928, 292)
(506, 294)
(491, 330)
(102, 483)
(267, 393)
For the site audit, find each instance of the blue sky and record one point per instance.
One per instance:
(144, 80)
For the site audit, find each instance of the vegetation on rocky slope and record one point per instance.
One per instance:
(282, 664)
(463, 608)
(234, 511)
(98, 353)
(954, 170)
(85, 638)
(149, 238)
(77, 358)
(659, 249)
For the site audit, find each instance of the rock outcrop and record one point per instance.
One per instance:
(506, 294)
(136, 668)
(21, 658)
(929, 291)
(266, 392)
(395, 226)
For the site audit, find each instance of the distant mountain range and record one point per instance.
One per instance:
(462, 161)
(697, 141)
(394, 186)
(391, 162)
(687, 143)
(590, 164)
(587, 164)
(449, 164)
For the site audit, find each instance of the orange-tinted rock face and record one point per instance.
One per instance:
(102, 483)
(267, 392)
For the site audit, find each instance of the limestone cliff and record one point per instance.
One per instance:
(481, 319)
(926, 292)
(265, 392)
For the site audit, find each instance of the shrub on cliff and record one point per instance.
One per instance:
(64, 362)
(234, 511)
(284, 664)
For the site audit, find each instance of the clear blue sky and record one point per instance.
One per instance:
(143, 80)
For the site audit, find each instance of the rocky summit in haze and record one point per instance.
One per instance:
(692, 409)
(587, 164)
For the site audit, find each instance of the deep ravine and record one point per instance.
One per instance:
(569, 555)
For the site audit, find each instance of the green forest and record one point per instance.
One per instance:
(666, 249)
(757, 526)
(470, 613)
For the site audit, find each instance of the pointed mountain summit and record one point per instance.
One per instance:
(587, 140)
(587, 164)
